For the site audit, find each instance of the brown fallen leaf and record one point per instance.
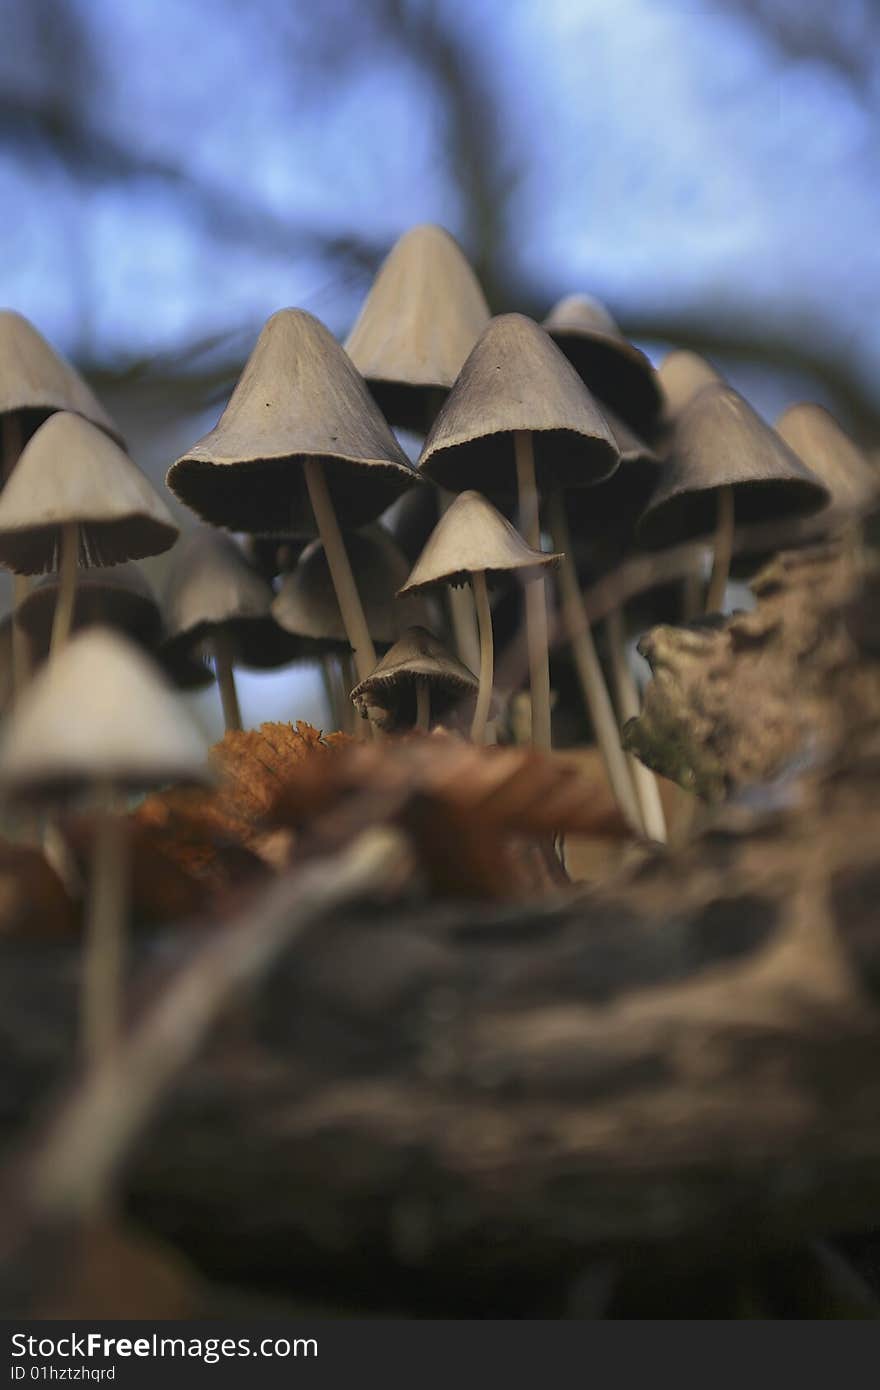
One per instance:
(33, 900)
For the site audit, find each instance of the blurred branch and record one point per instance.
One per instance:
(843, 36)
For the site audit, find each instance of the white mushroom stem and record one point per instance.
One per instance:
(222, 654)
(723, 551)
(589, 669)
(487, 656)
(353, 723)
(535, 594)
(629, 706)
(105, 933)
(423, 704)
(461, 612)
(67, 569)
(347, 595)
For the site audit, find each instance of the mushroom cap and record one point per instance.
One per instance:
(306, 603)
(35, 381)
(391, 685)
(681, 375)
(71, 471)
(612, 367)
(517, 379)
(472, 537)
(412, 519)
(274, 554)
(117, 596)
(211, 588)
(721, 442)
(826, 449)
(299, 397)
(615, 506)
(98, 713)
(423, 314)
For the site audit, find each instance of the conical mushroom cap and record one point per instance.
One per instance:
(35, 381)
(306, 603)
(721, 442)
(117, 596)
(299, 397)
(99, 713)
(472, 537)
(826, 449)
(71, 471)
(614, 507)
(211, 588)
(612, 367)
(422, 316)
(517, 379)
(681, 375)
(391, 686)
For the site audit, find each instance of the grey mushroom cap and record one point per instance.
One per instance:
(210, 589)
(423, 314)
(391, 686)
(614, 369)
(721, 442)
(299, 397)
(681, 375)
(35, 381)
(306, 603)
(473, 537)
(99, 713)
(70, 471)
(820, 443)
(117, 596)
(516, 379)
(614, 507)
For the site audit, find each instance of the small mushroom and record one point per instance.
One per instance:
(473, 541)
(216, 602)
(95, 724)
(681, 375)
(75, 496)
(611, 366)
(417, 681)
(518, 417)
(726, 466)
(423, 314)
(301, 437)
(836, 460)
(117, 596)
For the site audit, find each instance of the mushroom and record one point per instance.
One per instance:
(34, 383)
(75, 495)
(306, 604)
(473, 541)
(681, 375)
(117, 596)
(416, 682)
(273, 553)
(300, 437)
(95, 724)
(726, 465)
(516, 389)
(423, 314)
(216, 602)
(611, 366)
(829, 453)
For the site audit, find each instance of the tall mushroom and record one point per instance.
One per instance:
(611, 366)
(416, 682)
(74, 496)
(836, 460)
(473, 541)
(35, 382)
(726, 466)
(117, 596)
(519, 417)
(681, 375)
(423, 314)
(94, 725)
(217, 604)
(300, 437)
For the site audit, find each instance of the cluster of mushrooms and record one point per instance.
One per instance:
(546, 454)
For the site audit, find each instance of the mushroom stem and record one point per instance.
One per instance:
(723, 550)
(487, 657)
(221, 651)
(589, 670)
(535, 593)
(629, 707)
(21, 647)
(107, 911)
(340, 570)
(67, 567)
(461, 612)
(423, 704)
(352, 723)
